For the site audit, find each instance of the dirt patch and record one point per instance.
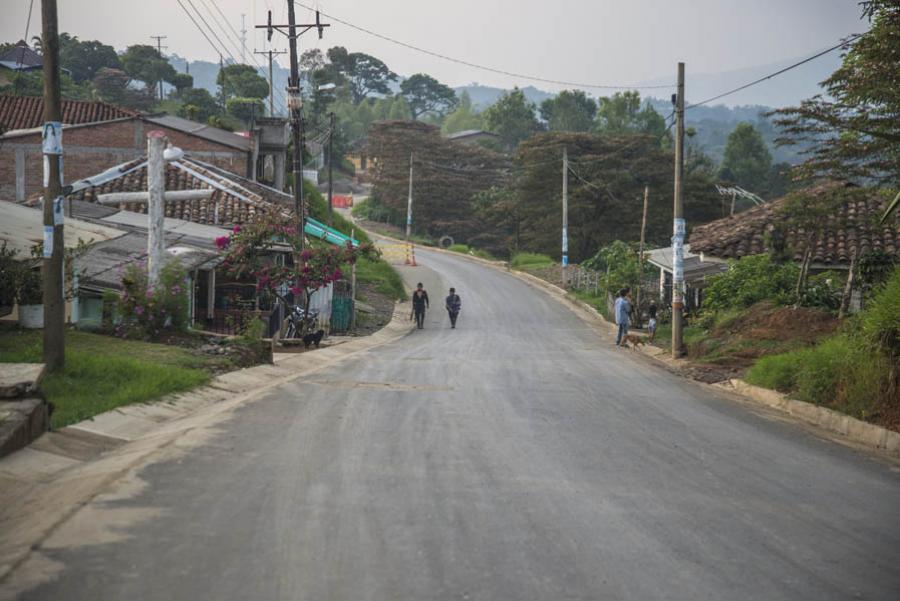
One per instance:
(382, 309)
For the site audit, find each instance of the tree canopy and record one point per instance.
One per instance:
(242, 81)
(463, 117)
(84, 59)
(569, 111)
(425, 94)
(143, 63)
(363, 73)
(512, 118)
(853, 129)
(621, 113)
(747, 161)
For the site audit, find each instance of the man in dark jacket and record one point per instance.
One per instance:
(420, 303)
(453, 304)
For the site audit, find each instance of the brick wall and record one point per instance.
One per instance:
(92, 149)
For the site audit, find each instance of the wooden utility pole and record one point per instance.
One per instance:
(330, 170)
(565, 215)
(270, 54)
(641, 254)
(409, 200)
(678, 224)
(156, 191)
(54, 247)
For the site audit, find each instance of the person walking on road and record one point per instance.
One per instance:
(420, 303)
(623, 315)
(453, 304)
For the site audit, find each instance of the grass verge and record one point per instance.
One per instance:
(102, 372)
(531, 261)
(385, 278)
(474, 252)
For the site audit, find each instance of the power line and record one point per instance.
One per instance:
(482, 67)
(197, 25)
(776, 73)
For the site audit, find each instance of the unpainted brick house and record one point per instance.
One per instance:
(97, 135)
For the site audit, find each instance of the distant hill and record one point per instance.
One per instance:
(484, 96)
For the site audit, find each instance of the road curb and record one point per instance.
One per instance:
(848, 427)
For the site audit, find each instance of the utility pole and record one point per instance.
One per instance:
(409, 201)
(243, 39)
(54, 247)
(330, 170)
(565, 217)
(156, 191)
(295, 102)
(641, 252)
(678, 224)
(159, 49)
(271, 53)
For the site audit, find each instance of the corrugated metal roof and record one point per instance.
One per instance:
(201, 130)
(22, 227)
(694, 267)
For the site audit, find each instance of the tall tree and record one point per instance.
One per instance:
(242, 81)
(569, 111)
(854, 127)
(747, 161)
(143, 63)
(512, 118)
(622, 114)
(425, 94)
(84, 59)
(363, 73)
(114, 85)
(463, 117)
(198, 105)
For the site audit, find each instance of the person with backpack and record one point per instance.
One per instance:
(420, 303)
(453, 304)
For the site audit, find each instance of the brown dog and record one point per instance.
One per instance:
(634, 340)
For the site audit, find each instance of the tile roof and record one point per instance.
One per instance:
(27, 112)
(234, 200)
(852, 229)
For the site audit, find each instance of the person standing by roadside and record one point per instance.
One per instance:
(623, 315)
(420, 303)
(453, 304)
(651, 325)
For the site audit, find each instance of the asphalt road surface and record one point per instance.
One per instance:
(518, 457)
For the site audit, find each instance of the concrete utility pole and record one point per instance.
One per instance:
(295, 101)
(156, 191)
(678, 225)
(159, 49)
(271, 53)
(641, 253)
(410, 200)
(54, 247)
(330, 170)
(565, 218)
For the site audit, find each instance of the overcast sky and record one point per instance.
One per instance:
(591, 41)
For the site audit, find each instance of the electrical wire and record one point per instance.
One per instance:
(483, 67)
(776, 73)
(215, 48)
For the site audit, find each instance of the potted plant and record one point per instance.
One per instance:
(30, 299)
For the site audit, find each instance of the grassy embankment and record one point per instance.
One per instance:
(103, 372)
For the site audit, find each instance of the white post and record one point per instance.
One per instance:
(353, 288)
(156, 189)
(565, 219)
(409, 201)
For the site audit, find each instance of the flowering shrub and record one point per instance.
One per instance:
(150, 311)
(252, 249)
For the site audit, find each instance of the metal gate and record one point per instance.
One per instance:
(342, 306)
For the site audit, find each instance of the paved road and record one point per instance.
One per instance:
(518, 457)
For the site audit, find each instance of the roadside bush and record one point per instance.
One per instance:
(750, 280)
(9, 276)
(880, 322)
(146, 311)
